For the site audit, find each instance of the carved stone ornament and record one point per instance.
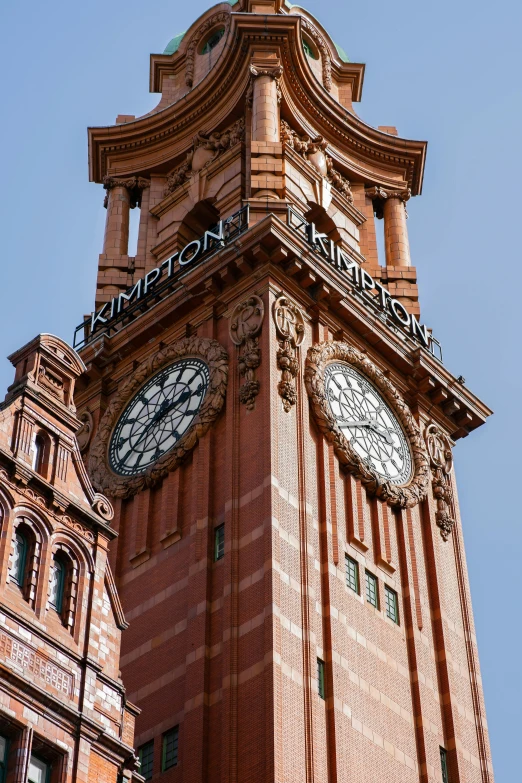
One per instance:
(274, 73)
(216, 358)
(206, 147)
(220, 18)
(245, 326)
(135, 186)
(379, 196)
(441, 460)
(314, 151)
(289, 323)
(321, 44)
(319, 356)
(84, 434)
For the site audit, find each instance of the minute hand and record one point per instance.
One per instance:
(373, 425)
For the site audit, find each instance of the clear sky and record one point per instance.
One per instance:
(448, 72)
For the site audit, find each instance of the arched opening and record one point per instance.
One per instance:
(63, 586)
(58, 581)
(201, 218)
(212, 40)
(22, 559)
(41, 453)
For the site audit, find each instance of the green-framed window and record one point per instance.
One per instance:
(392, 604)
(146, 757)
(19, 561)
(219, 542)
(372, 591)
(57, 583)
(321, 688)
(4, 750)
(213, 41)
(352, 573)
(39, 770)
(444, 765)
(169, 754)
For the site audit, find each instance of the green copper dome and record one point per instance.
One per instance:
(173, 45)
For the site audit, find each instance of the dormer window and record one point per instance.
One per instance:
(309, 50)
(212, 41)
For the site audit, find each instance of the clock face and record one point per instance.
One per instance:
(157, 416)
(368, 423)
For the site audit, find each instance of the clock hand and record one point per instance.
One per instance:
(162, 413)
(373, 425)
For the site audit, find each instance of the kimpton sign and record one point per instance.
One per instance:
(359, 277)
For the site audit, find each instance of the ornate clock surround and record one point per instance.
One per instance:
(318, 357)
(216, 357)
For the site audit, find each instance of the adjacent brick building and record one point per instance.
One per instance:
(294, 577)
(64, 715)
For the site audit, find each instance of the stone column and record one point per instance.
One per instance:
(266, 151)
(117, 201)
(266, 97)
(396, 241)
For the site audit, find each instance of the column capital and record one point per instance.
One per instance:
(135, 185)
(379, 195)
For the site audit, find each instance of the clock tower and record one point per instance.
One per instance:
(273, 423)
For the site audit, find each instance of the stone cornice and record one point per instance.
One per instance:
(153, 142)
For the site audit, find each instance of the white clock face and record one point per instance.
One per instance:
(157, 416)
(368, 423)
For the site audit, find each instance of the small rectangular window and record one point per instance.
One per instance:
(372, 595)
(392, 606)
(170, 749)
(352, 574)
(39, 771)
(444, 765)
(320, 678)
(146, 757)
(219, 542)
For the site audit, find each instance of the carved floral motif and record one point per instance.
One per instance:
(206, 147)
(245, 326)
(314, 151)
(135, 186)
(83, 435)
(319, 356)
(289, 323)
(379, 196)
(274, 73)
(216, 358)
(325, 52)
(441, 460)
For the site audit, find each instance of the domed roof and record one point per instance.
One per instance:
(173, 45)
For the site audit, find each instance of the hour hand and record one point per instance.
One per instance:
(373, 425)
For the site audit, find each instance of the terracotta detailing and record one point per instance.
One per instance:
(59, 661)
(396, 242)
(413, 663)
(116, 238)
(414, 569)
(333, 504)
(306, 602)
(326, 477)
(441, 459)
(471, 645)
(245, 326)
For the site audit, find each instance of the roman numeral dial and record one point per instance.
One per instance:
(368, 423)
(158, 416)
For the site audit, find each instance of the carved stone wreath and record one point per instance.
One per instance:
(318, 357)
(325, 52)
(216, 358)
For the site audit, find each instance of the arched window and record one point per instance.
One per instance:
(309, 49)
(19, 558)
(57, 582)
(212, 41)
(41, 451)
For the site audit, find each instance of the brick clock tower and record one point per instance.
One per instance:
(273, 424)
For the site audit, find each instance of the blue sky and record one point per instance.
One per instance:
(448, 72)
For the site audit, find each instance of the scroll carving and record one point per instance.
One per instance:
(318, 357)
(289, 324)
(245, 326)
(206, 147)
(314, 151)
(224, 18)
(135, 186)
(325, 52)
(51, 383)
(115, 486)
(441, 461)
(83, 435)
